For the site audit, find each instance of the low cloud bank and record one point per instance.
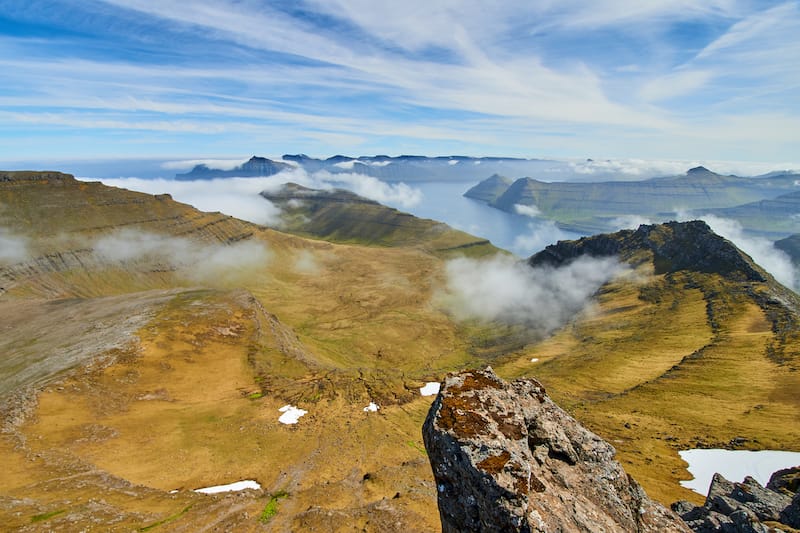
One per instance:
(239, 197)
(507, 290)
(201, 263)
(643, 168)
(13, 248)
(763, 251)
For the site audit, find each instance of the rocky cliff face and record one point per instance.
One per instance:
(506, 458)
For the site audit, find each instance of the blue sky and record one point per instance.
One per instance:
(680, 79)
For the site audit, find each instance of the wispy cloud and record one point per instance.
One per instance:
(217, 265)
(13, 247)
(555, 78)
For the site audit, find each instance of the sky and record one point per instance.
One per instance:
(674, 79)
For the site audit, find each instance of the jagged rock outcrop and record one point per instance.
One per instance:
(507, 458)
(746, 507)
(674, 246)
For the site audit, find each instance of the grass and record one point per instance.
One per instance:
(46, 516)
(271, 509)
(167, 520)
(417, 447)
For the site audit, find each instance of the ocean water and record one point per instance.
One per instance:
(522, 235)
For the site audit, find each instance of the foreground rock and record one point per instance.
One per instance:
(746, 507)
(506, 458)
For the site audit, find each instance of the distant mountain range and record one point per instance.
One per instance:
(401, 168)
(765, 205)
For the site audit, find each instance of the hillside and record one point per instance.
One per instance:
(149, 347)
(344, 217)
(595, 207)
(698, 349)
(773, 218)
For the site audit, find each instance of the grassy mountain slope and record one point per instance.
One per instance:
(701, 350)
(344, 217)
(154, 379)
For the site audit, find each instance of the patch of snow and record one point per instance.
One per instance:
(535, 360)
(373, 407)
(430, 388)
(734, 465)
(230, 487)
(291, 414)
(453, 162)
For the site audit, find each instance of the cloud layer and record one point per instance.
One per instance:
(507, 290)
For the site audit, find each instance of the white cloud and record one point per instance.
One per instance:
(188, 164)
(506, 290)
(674, 84)
(13, 248)
(540, 234)
(216, 265)
(527, 210)
(237, 197)
(629, 222)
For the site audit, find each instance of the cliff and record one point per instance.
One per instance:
(506, 458)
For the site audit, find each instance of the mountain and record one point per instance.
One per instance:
(255, 167)
(342, 216)
(790, 245)
(407, 168)
(696, 347)
(773, 218)
(596, 207)
(148, 349)
(490, 188)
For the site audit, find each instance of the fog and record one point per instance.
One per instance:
(212, 264)
(507, 290)
(13, 248)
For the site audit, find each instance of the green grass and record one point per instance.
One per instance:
(166, 520)
(46, 516)
(417, 447)
(271, 509)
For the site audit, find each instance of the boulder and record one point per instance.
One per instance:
(506, 458)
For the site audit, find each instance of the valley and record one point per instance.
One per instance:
(128, 376)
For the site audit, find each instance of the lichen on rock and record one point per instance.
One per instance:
(506, 458)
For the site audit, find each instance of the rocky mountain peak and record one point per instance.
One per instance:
(698, 170)
(506, 458)
(671, 246)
